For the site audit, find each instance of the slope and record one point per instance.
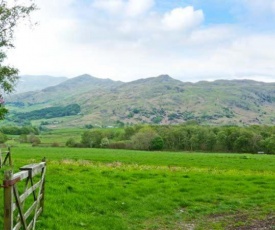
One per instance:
(159, 100)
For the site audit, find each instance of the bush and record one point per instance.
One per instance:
(34, 140)
(23, 138)
(3, 138)
(157, 143)
(143, 139)
(157, 119)
(89, 126)
(70, 142)
(91, 139)
(104, 142)
(128, 133)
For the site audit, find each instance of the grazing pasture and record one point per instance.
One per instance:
(121, 189)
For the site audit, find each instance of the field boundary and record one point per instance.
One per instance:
(14, 202)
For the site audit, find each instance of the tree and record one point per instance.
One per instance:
(211, 141)
(128, 133)
(143, 139)
(244, 143)
(157, 143)
(104, 142)
(91, 139)
(71, 142)
(269, 144)
(11, 14)
(23, 138)
(34, 139)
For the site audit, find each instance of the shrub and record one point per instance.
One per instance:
(91, 139)
(89, 126)
(157, 143)
(23, 138)
(3, 138)
(34, 139)
(143, 139)
(157, 119)
(104, 142)
(70, 142)
(129, 132)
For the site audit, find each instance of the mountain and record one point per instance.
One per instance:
(159, 100)
(32, 83)
(64, 92)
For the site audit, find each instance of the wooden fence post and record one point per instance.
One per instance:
(8, 202)
(43, 185)
(13, 200)
(9, 155)
(7, 159)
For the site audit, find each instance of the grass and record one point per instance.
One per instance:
(115, 189)
(62, 135)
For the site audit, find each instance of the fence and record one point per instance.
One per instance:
(7, 158)
(14, 216)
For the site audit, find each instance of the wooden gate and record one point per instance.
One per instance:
(15, 217)
(7, 158)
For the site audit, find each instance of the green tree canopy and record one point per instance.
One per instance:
(11, 14)
(92, 138)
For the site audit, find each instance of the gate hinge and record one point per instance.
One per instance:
(9, 183)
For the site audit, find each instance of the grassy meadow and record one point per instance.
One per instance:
(121, 189)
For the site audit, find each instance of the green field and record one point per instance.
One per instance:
(121, 189)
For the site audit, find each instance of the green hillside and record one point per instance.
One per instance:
(159, 100)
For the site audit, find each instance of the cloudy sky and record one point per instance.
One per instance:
(190, 40)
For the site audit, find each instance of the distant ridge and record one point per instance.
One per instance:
(32, 83)
(157, 100)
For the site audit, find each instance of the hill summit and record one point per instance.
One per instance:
(157, 100)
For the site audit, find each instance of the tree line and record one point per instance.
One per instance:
(24, 132)
(16, 130)
(51, 112)
(186, 137)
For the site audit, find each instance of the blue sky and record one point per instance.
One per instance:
(191, 40)
(215, 11)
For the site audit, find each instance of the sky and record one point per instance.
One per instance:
(190, 40)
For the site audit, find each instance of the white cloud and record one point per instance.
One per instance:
(240, 58)
(182, 18)
(138, 7)
(54, 9)
(107, 39)
(112, 6)
(130, 8)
